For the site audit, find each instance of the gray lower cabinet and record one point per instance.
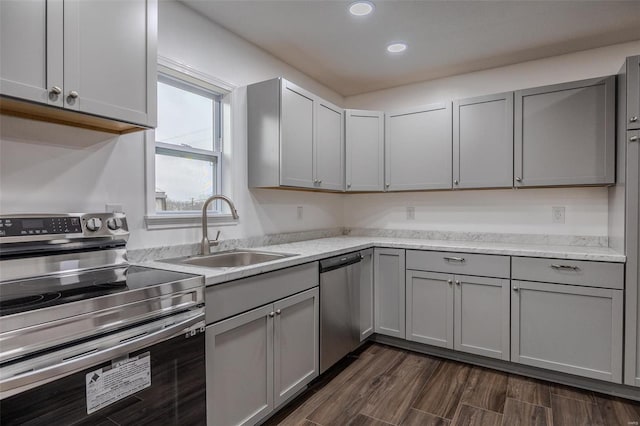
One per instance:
(483, 142)
(364, 150)
(481, 316)
(389, 291)
(418, 148)
(430, 312)
(565, 134)
(366, 295)
(93, 57)
(469, 314)
(632, 231)
(295, 138)
(259, 359)
(567, 328)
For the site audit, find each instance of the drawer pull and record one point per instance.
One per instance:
(454, 259)
(565, 267)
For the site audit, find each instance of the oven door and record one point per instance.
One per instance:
(148, 375)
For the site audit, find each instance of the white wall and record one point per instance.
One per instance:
(51, 168)
(517, 211)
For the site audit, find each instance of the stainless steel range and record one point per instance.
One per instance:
(87, 338)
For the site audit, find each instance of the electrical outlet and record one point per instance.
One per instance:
(300, 212)
(557, 214)
(113, 208)
(411, 213)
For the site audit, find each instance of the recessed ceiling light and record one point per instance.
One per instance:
(361, 8)
(396, 47)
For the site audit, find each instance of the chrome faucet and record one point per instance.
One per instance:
(205, 245)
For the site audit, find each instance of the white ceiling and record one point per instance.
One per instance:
(447, 37)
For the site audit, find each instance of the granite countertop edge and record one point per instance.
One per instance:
(314, 250)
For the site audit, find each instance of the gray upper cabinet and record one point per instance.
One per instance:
(633, 92)
(418, 148)
(31, 50)
(565, 134)
(364, 150)
(295, 138)
(483, 142)
(297, 128)
(93, 57)
(366, 295)
(567, 328)
(329, 147)
(389, 292)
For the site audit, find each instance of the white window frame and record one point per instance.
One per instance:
(182, 74)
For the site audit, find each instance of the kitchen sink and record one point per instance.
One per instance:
(231, 258)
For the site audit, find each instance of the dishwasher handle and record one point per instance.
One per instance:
(339, 262)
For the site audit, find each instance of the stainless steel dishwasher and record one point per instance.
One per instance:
(339, 307)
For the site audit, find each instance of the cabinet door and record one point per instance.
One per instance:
(633, 92)
(31, 49)
(389, 289)
(632, 267)
(430, 308)
(483, 142)
(329, 147)
(481, 324)
(572, 329)
(240, 368)
(565, 134)
(365, 150)
(418, 148)
(110, 58)
(295, 344)
(366, 295)
(297, 130)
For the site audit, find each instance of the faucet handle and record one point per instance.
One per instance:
(217, 235)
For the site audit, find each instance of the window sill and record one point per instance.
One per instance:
(174, 221)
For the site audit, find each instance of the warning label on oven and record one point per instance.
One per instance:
(126, 377)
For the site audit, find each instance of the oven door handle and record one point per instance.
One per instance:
(30, 379)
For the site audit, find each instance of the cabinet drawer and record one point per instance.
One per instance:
(485, 265)
(229, 299)
(574, 272)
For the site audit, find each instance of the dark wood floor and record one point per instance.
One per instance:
(385, 385)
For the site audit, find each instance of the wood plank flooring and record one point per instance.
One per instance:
(384, 386)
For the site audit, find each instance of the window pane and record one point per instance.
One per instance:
(183, 184)
(184, 118)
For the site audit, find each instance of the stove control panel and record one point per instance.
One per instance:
(34, 227)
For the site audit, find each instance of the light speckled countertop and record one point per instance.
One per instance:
(312, 250)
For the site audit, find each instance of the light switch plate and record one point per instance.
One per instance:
(557, 214)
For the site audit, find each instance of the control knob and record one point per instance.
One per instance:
(94, 224)
(114, 223)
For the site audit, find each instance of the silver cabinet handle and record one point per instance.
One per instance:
(515, 288)
(633, 119)
(272, 314)
(565, 267)
(348, 185)
(457, 282)
(278, 311)
(454, 259)
(73, 94)
(449, 282)
(518, 179)
(388, 185)
(634, 139)
(55, 90)
(319, 181)
(455, 182)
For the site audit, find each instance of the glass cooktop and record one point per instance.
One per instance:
(43, 292)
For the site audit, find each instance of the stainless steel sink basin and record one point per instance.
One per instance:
(232, 258)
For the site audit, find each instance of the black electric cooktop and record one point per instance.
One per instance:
(42, 292)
